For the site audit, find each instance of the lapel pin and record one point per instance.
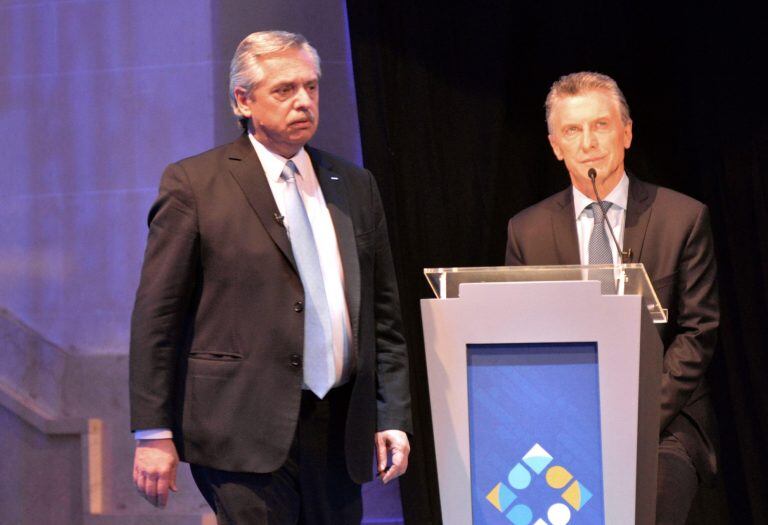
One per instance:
(334, 178)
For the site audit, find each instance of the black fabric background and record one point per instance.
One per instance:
(450, 99)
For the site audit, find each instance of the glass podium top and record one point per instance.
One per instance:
(624, 279)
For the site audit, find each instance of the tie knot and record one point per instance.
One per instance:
(600, 210)
(289, 171)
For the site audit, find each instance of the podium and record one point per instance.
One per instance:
(544, 386)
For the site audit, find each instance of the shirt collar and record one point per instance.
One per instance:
(618, 197)
(273, 164)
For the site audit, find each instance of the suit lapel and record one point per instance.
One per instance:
(638, 214)
(247, 171)
(336, 195)
(564, 229)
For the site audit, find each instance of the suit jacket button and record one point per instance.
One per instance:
(295, 360)
(298, 306)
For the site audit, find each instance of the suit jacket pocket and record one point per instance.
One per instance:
(216, 355)
(221, 365)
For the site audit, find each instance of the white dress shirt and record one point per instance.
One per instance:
(325, 240)
(327, 249)
(585, 219)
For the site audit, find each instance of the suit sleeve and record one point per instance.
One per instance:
(687, 357)
(392, 386)
(163, 299)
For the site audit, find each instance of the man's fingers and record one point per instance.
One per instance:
(400, 460)
(391, 474)
(154, 488)
(394, 443)
(162, 492)
(172, 479)
(139, 481)
(399, 466)
(150, 490)
(154, 470)
(381, 452)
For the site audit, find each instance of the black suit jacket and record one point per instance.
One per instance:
(670, 234)
(218, 325)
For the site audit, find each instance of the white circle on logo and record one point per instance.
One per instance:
(559, 514)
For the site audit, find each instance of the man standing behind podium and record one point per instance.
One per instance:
(590, 129)
(266, 343)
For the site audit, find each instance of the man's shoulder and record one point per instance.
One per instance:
(543, 209)
(218, 155)
(664, 199)
(334, 162)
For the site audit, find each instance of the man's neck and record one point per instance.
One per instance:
(618, 195)
(604, 186)
(286, 151)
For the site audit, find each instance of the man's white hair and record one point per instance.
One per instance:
(246, 72)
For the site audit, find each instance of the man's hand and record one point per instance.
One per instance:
(394, 443)
(154, 469)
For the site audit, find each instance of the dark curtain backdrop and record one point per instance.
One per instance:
(450, 99)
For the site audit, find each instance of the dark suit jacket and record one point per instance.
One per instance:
(670, 234)
(218, 325)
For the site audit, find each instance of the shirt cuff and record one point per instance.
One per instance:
(153, 433)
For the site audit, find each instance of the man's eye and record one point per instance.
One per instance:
(601, 124)
(571, 131)
(284, 90)
(312, 86)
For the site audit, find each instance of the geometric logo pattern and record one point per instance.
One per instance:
(504, 497)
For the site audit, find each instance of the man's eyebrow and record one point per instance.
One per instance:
(578, 122)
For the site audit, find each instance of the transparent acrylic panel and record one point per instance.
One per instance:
(622, 279)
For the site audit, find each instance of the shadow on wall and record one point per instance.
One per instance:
(64, 434)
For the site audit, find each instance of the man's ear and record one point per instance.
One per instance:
(241, 97)
(628, 135)
(555, 147)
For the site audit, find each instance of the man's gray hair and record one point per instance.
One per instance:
(582, 82)
(246, 72)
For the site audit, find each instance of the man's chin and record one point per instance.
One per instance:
(301, 136)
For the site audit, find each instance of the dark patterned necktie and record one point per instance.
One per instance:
(599, 246)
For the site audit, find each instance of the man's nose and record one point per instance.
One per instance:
(302, 100)
(588, 139)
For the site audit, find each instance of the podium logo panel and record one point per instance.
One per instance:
(535, 434)
(535, 462)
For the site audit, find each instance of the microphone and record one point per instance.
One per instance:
(625, 255)
(279, 219)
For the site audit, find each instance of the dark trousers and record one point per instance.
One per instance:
(677, 482)
(312, 487)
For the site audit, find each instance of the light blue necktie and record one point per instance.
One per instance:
(319, 369)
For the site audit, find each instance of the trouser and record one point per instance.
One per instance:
(312, 487)
(677, 482)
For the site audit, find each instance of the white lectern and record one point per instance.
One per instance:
(544, 393)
